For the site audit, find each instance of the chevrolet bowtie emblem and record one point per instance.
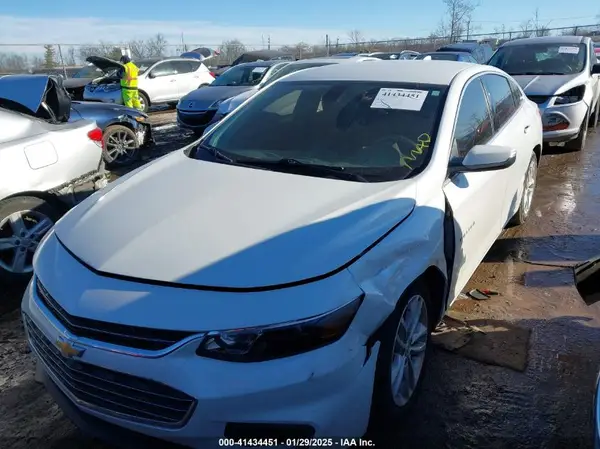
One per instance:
(68, 349)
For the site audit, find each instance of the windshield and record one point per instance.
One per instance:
(540, 59)
(379, 131)
(291, 68)
(241, 75)
(90, 71)
(143, 66)
(439, 57)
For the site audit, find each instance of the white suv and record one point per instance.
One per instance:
(159, 80)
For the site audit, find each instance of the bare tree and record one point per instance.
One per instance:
(138, 49)
(231, 49)
(526, 28)
(355, 37)
(70, 57)
(458, 18)
(157, 46)
(540, 29)
(13, 63)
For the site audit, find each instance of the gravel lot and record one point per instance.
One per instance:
(464, 404)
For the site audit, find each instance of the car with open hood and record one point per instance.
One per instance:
(459, 56)
(47, 163)
(229, 105)
(287, 273)
(160, 81)
(125, 130)
(562, 75)
(197, 108)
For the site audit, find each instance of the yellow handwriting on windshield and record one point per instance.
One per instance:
(423, 142)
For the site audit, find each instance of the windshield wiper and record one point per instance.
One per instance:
(216, 153)
(537, 73)
(336, 171)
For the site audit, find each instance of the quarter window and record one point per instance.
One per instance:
(501, 99)
(474, 124)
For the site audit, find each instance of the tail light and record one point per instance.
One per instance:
(213, 74)
(95, 135)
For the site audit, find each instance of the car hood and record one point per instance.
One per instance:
(222, 226)
(546, 84)
(205, 96)
(105, 64)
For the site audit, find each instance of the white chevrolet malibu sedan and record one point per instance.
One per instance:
(280, 277)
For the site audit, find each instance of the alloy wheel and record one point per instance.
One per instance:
(408, 353)
(529, 187)
(119, 144)
(20, 235)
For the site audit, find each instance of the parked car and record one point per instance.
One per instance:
(75, 85)
(561, 75)
(256, 56)
(125, 130)
(448, 56)
(227, 106)
(160, 81)
(291, 264)
(480, 52)
(395, 55)
(196, 109)
(44, 162)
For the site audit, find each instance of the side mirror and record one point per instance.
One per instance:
(151, 75)
(596, 69)
(484, 158)
(587, 280)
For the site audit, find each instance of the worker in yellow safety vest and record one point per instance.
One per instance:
(129, 84)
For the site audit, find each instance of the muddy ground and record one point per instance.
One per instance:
(464, 404)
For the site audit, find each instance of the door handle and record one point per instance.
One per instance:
(526, 129)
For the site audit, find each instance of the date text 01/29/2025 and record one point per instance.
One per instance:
(295, 442)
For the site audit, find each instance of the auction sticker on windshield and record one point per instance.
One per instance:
(259, 70)
(404, 99)
(569, 50)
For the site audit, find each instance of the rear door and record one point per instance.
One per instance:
(512, 128)
(187, 78)
(476, 199)
(161, 84)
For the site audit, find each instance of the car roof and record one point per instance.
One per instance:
(545, 40)
(268, 63)
(412, 71)
(445, 53)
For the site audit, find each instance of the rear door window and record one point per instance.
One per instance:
(501, 99)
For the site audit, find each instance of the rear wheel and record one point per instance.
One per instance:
(578, 144)
(403, 352)
(23, 222)
(529, 185)
(120, 146)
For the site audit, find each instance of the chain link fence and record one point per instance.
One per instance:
(67, 59)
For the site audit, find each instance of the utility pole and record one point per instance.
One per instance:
(269, 42)
(327, 43)
(468, 28)
(62, 62)
(337, 44)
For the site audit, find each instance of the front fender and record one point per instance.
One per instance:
(386, 271)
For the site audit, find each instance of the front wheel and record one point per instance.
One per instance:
(120, 146)
(529, 185)
(578, 144)
(403, 352)
(23, 222)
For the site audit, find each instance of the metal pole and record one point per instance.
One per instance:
(327, 43)
(62, 62)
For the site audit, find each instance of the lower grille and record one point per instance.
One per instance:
(112, 391)
(197, 119)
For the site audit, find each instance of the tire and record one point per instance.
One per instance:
(595, 117)
(386, 412)
(530, 182)
(118, 150)
(578, 144)
(145, 101)
(31, 211)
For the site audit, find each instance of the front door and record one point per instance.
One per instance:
(476, 199)
(161, 84)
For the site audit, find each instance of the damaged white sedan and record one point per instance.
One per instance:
(280, 277)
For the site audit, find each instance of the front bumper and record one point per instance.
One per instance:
(570, 116)
(327, 391)
(96, 93)
(196, 121)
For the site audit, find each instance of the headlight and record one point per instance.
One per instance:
(259, 344)
(216, 104)
(571, 96)
(140, 118)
